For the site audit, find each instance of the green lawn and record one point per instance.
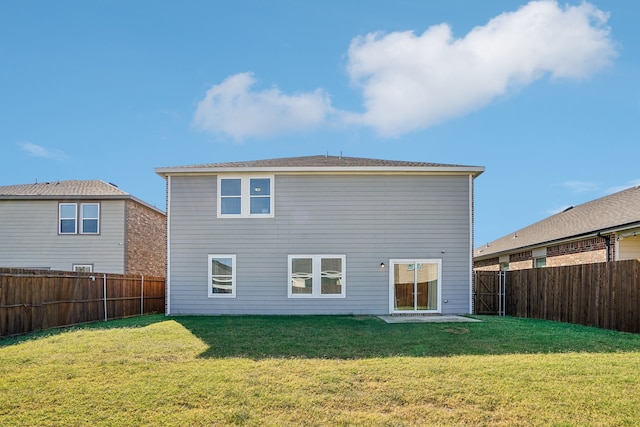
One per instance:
(319, 371)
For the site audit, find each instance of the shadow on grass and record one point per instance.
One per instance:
(360, 337)
(356, 337)
(129, 322)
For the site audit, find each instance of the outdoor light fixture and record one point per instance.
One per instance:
(382, 266)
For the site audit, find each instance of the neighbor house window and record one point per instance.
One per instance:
(317, 276)
(244, 197)
(68, 213)
(540, 262)
(83, 268)
(222, 276)
(86, 219)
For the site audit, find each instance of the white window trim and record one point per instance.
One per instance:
(245, 196)
(392, 262)
(233, 276)
(89, 267)
(78, 218)
(82, 218)
(60, 218)
(316, 262)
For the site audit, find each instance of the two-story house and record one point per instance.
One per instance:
(80, 226)
(319, 235)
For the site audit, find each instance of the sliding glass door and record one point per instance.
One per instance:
(415, 285)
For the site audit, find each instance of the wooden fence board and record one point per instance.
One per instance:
(42, 299)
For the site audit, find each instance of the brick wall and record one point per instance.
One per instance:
(520, 265)
(586, 245)
(520, 256)
(146, 240)
(585, 251)
(578, 258)
(491, 264)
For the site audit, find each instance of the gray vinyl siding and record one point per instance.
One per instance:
(369, 218)
(29, 237)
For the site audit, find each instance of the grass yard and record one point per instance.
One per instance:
(319, 371)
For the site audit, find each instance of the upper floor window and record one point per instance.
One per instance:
(85, 220)
(68, 214)
(244, 197)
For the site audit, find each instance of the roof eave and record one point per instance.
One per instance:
(466, 170)
(608, 230)
(82, 197)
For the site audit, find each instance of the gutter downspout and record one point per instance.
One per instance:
(608, 243)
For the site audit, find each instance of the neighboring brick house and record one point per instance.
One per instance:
(82, 226)
(320, 235)
(605, 229)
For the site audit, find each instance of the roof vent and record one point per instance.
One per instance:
(113, 185)
(568, 209)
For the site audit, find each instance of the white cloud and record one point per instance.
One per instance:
(629, 184)
(232, 108)
(581, 186)
(410, 82)
(40, 151)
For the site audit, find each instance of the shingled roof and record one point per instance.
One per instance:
(604, 215)
(320, 162)
(63, 188)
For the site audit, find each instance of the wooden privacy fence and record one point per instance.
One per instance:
(42, 299)
(605, 295)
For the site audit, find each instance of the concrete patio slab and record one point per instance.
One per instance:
(427, 319)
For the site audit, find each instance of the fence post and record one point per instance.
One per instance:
(502, 291)
(141, 294)
(104, 292)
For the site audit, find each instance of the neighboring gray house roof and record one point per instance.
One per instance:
(65, 190)
(321, 163)
(606, 215)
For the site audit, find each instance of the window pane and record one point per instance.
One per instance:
(221, 266)
(260, 187)
(90, 226)
(221, 275)
(90, 211)
(230, 205)
(301, 276)
(260, 205)
(331, 275)
(67, 226)
(231, 187)
(68, 211)
(427, 277)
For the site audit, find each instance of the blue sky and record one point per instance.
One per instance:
(545, 95)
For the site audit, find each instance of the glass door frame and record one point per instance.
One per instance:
(392, 287)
